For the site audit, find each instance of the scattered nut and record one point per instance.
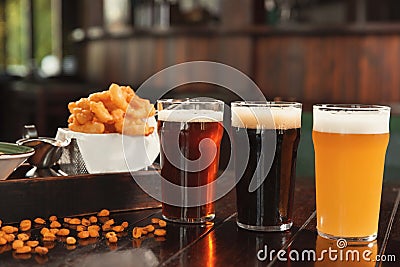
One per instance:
(41, 250)
(40, 221)
(32, 243)
(25, 225)
(110, 234)
(49, 237)
(137, 232)
(17, 244)
(125, 224)
(160, 232)
(155, 220)
(93, 219)
(9, 237)
(93, 233)
(113, 239)
(80, 228)
(83, 234)
(8, 229)
(53, 218)
(162, 223)
(149, 228)
(24, 249)
(118, 228)
(103, 213)
(54, 230)
(106, 227)
(1, 222)
(23, 237)
(85, 222)
(3, 241)
(67, 220)
(94, 227)
(110, 222)
(75, 221)
(44, 230)
(63, 232)
(71, 240)
(55, 224)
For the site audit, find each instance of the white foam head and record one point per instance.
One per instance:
(190, 115)
(362, 120)
(267, 117)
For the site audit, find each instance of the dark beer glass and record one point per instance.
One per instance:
(190, 133)
(269, 206)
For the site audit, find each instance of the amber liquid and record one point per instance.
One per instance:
(349, 172)
(190, 136)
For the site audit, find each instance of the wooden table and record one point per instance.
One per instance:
(220, 243)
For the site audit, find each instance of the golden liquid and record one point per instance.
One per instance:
(349, 173)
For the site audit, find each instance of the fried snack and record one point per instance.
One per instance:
(117, 110)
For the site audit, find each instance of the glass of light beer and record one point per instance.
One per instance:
(263, 125)
(350, 144)
(190, 133)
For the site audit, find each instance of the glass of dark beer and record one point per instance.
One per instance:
(266, 178)
(190, 133)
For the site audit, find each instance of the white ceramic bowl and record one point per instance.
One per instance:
(11, 156)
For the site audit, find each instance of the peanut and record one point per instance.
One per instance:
(17, 244)
(54, 231)
(24, 249)
(1, 222)
(118, 228)
(63, 232)
(94, 227)
(149, 228)
(23, 237)
(162, 223)
(110, 222)
(9, 237)
(67, 220)
(49, 237)
(93, 233)
(125, 224)
(71, 240)
(103, 213)
(160, 232)
(41, 250)
(80, 228)
(8, 229)
(55, 224)
(3, 241)
(85, 222)
(75, 221)
(53, 218)
(113, 239)
(2, 233)
(155, 220)
(106, 227)
(44, 230)
(110, 234)
(32, 243)
(83, 234)
(25, 225)
(40, 221)
(137, 232)
(93, 219)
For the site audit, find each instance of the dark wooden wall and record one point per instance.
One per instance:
(311, 68)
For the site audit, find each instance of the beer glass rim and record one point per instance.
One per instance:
(190, 100)
(266, 104)
(351, 107)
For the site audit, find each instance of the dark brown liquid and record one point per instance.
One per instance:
(190, 136)
(271, 204)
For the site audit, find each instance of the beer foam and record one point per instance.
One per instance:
(190, 115)
(266, 117)
(351, 122)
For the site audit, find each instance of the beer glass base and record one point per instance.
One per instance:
(201, 220)
(349, 239)
(261, 228)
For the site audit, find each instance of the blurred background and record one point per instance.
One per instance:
(313, 51)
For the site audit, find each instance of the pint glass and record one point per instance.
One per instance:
(190, 133)
(350, 144)
(263, 125)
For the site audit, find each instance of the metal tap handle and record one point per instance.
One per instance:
(29, 132)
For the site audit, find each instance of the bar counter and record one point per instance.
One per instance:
(220, 243)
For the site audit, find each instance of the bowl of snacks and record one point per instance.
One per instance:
(107, 129)
(11, 156)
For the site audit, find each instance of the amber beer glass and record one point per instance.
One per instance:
(190, 133)
(269, 207)
(350, 144)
